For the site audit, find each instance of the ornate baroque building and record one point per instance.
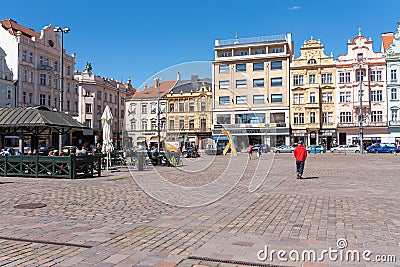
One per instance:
(189, 116)
(391, 48)
(251, 89)
(313, 80)
(361, 67)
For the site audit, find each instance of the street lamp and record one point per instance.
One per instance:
(62, 30)
(157, 84)
(360, 116)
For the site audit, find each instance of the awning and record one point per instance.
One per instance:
(220, 138)
(155, 139)
(141, 138)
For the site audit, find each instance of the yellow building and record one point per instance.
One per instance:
(189, 116)
(312, 105)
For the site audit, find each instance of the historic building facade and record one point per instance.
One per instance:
(95, 93)
(251, 89)
(391, 48)
(189, 112)
(363, 68)
(313, 80)
(141, 118)
(7, 85)
(34, 58)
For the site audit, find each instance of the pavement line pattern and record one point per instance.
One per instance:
(44, 242)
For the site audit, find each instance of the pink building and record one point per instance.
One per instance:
(361, 63)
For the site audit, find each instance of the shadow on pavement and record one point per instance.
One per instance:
(310, 177)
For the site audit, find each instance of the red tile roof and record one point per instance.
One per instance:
(387, 40)
(152, 92)
(13, 27)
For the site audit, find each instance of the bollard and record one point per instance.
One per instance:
(140, 159)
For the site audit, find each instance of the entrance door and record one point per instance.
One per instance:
(342, 138)
(313, 138)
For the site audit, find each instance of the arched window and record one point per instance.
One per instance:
(312, 61)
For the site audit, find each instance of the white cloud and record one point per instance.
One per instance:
(295, 8)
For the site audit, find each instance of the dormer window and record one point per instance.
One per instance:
(312, 61)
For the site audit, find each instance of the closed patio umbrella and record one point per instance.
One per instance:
(106, 120)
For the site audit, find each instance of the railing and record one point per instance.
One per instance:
(251, 40)
(50, 166)
(44, 67)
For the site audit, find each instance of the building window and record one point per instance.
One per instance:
(50, 80)
(311, 79)
(88, 108)
(32, 77)
(312, 97)
(312, 61)
(327, 78)
(223, 84)
(153, 125)
(30, 98)
(394, 114)
(181, 107)
(276, 65)
(68, 70)
(250, 118)
(144, 125)
(55, 65)
(259, 51)
(241, 99)
(203, 124)
(68, 87)
(393, 75)
(76, 106)
(327, 98)
(25, 75)
(181, 124)
(224, 100)
(68, 103)
(31, 57)
(376, 76)
(277, 50)
(393, 94)
(133, 125)
(144, 109)
(276, 98)
(359, 75)
(298, 118)
(298, 80)
(224, 119)
(153, 108)
(191, 124)
(24, 97)
(55, 102)
(258, 82)
(242, 53)
(376, 95)
(276, 81)
(88, 123)
(99, 109)
(258, 66)
(110, 98)
(298, 99)
(376, 116)
(41, 60)
(223, 68)
(24, 55)
(55, 82)
(99, 95)
(42, 80)
(258, 99)
(191, 107)
(42, 99)
(325, 117)
(226, 54)
(341, 77)
(345, 117)
(203, 106)
(312, 117)
(46, 62)
(241, 83)
(240, 67)
(105, 97)
(9, 93)
(171, 107)
(49, 101)
(76, 89)
(171, 124)
(347, 77)
(133, 109)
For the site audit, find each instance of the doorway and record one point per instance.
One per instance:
(342, 138)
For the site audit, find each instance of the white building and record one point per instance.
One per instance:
(7, 85)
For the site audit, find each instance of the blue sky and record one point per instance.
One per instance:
(138, 39)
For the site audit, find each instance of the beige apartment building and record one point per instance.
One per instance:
(312, 106)
(251, 89)
(95, 93)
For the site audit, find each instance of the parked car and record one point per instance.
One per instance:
(383, 148)
(44, 151)
(265, 148)
(316, 149)
(346, 149)
(284, 149)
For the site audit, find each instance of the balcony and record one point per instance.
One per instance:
(44, 67)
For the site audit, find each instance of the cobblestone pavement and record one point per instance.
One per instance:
(111, 221)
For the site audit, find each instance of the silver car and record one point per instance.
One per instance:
(346, 149)
(284, 149)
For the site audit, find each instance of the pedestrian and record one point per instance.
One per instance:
(260, 152)
(300, 154)
(250, 151)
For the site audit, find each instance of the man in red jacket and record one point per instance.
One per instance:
(300, 154)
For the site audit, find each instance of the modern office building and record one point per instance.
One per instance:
(250, 79)
(189, 112)
(391, 49)
(312, 105)
(361, 68)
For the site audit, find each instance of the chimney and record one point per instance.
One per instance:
(178, 76)
(145, 87)
(156, 82)
(195, 78)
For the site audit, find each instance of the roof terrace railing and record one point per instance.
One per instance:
(251, 40)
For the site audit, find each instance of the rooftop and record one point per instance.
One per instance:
(254, 40)
(152, 92)
(13, 27)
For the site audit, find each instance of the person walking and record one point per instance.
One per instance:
(250, 151)
(300, 154)
(260, 151)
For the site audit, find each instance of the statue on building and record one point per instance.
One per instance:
(88, 68)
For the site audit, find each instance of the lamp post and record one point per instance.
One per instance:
(62, 30)
(157, 83)
(360, 116)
